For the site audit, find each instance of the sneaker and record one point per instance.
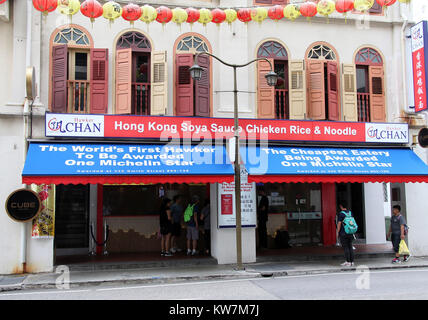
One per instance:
(162, 253)
(189, 252)
(346, 264)
(168, 254)
(406, 258)
(396, 260)
(194, 252)
(173, 250)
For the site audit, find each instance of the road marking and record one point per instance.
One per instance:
(43, 292)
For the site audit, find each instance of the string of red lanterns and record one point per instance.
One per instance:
(163, 14)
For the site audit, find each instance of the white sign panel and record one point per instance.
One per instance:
(387, 132)
(74, 125)
(226, 203)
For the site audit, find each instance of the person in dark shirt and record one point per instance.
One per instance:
(177, 216)
(193, 227)
(396, 232)
(262, 218)
(345, 239)
(165, 221)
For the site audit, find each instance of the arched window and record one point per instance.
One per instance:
(192, 44)
(71, 36)
(321, 51)
(323, 83)
(133, 74)
(370, 86)
(79, 72)
(272, 102)
(192, 98)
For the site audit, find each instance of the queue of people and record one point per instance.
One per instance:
(196, 218)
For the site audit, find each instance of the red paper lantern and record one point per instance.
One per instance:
(131, 12)
(344, 6)
(244, 15)
(2, 1)
(192, 15)
(386, 3)
(45, 6)
(218, 16)
(308, 9)
(91, 9)
(164, 14)
(276, 12)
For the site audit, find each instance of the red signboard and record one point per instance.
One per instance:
(165, 128)
(420, 61)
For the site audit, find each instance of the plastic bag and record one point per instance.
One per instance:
(403, 250)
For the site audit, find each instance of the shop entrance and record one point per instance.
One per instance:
(71, 219)
(352, 194)
(131, 213)
(294, 208)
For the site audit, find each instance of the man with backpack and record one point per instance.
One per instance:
(346, 228)
(191, 215)
(397, 232)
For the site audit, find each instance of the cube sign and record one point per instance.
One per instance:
(419, 34)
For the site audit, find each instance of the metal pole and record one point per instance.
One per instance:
(237, 177)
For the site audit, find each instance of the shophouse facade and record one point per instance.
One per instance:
(338, 70)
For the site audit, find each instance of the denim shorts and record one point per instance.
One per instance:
(396, 239)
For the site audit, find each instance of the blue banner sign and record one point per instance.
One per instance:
(331, 161)
(125, 159)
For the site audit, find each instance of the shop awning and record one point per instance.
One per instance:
(318, 165)
(91, 163)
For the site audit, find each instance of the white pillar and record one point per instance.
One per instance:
(223, 241)
(417, 217)
(374, 213)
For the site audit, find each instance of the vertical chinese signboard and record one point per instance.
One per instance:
(419, 34)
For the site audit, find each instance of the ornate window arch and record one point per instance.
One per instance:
(368, 56)
(134, 40)
(192, 44)
(72, 36)
(321, 51)
(272, 49)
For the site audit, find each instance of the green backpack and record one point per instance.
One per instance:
(188, 213)
(349, 223)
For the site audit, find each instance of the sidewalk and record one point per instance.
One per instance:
(201, 272)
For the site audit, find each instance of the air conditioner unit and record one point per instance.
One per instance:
(4, 11)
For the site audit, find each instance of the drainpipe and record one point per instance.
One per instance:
(27, 117)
